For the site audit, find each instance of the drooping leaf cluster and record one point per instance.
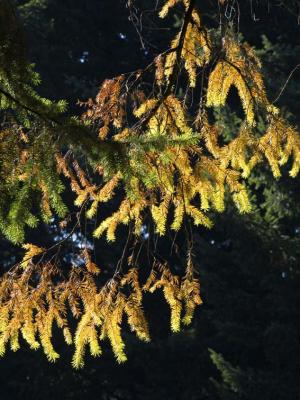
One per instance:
(166, 155)
(35, 296)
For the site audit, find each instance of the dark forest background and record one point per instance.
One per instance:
(244, 342)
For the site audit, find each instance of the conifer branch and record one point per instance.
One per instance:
(71, 132)
(186, 20)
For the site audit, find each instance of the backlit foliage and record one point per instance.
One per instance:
(159, 156)
(36, 298)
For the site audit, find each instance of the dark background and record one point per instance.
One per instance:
(244, 341)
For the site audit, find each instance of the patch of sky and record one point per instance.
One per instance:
(144, 232)
(84, 57)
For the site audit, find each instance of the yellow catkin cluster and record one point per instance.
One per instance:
(33, 300)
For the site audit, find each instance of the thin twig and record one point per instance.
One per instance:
(286, 82)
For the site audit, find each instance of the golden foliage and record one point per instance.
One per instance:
(196, 50)
(192, 171)
(240, 68)
(32, 300)
(167, 160)
(178, 293)
(90, 265)
(191, 175)
(31, 251)
(278, 144)
(169, 4)
(108, 107)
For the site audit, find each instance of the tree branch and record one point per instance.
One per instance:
(187, 19)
